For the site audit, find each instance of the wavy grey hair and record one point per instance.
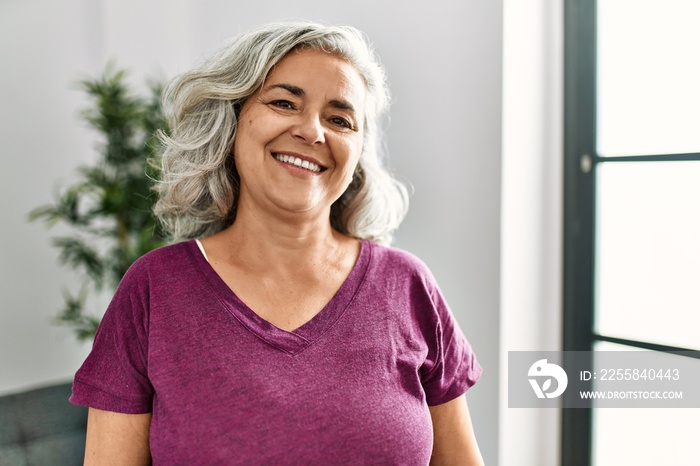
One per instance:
(198, 187)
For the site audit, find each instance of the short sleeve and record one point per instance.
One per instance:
(114, 377)
(451, 367)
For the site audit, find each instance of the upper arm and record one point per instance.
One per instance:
(455, 443)
(117, 439)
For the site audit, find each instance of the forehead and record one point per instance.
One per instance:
(316, 71)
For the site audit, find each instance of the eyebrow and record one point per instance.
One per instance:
(299, 92)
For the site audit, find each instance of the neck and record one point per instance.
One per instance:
(291, 242)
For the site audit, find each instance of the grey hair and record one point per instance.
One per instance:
(199, 183)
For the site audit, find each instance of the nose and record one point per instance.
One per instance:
(309, 129)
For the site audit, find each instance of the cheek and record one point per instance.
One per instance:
(257, 129)
(353, 150)
(356, 153)
(350, 159)
(246, 135)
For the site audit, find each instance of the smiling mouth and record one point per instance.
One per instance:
(297, 162)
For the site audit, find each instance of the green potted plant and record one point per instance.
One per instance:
(108, 209)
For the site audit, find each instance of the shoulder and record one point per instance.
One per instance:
(399, 261)
(156, 276)
(175, 251)
(164, 261)
(401, 269)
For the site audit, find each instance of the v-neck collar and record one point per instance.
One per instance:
(304, 336)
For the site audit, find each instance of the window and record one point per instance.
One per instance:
(632, 210)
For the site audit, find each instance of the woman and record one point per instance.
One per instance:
(288, 334)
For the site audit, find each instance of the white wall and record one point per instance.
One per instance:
(444, 65)
(44, 51)
(531, 215)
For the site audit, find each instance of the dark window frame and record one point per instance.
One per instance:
(579, 205)
(580, 165)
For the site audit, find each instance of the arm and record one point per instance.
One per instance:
(117, 439)
(455, 443)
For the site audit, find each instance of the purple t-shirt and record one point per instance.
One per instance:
(351, 386)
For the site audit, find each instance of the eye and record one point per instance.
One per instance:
(341, 122)
(284, 104)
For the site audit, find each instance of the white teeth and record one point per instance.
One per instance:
(296, 161)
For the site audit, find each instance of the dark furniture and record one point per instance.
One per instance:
(40, 427)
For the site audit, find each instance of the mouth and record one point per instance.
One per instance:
(299, 162)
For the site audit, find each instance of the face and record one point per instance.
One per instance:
(300, 135)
